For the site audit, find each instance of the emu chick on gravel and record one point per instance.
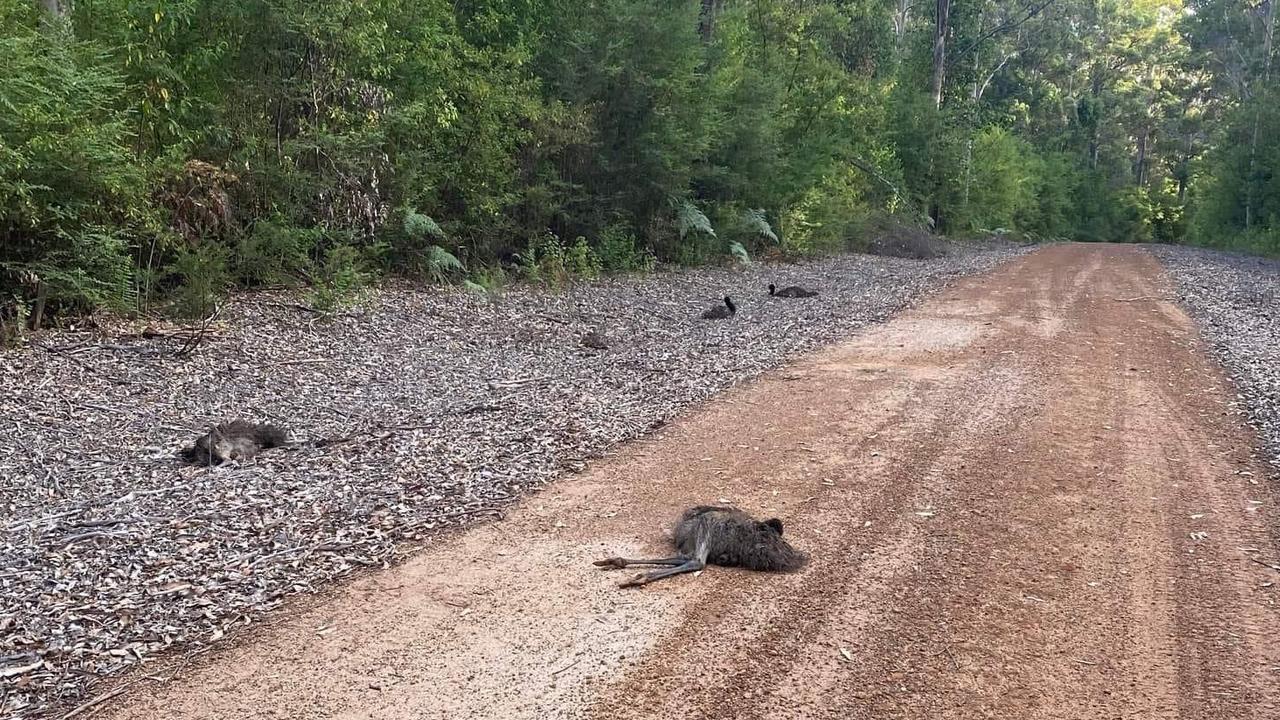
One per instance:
(236, 440)
(720, 536)
(794, 291)
(721, 312)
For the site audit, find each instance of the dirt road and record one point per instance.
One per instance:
(1025, 499)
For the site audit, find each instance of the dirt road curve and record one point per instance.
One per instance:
(1024, 499)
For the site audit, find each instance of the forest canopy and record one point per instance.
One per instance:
(166, 150)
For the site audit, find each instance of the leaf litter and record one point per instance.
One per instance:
(1236, 301)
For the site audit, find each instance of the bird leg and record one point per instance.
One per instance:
(617, 562)
(688, 566)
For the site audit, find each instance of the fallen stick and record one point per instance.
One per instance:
(566, 667)
(72, 540)
(94, 703)
(1265, 564)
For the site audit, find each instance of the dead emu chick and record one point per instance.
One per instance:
(595, 340)
(236, 440)
(721, 536)
(721, 312)
(795, 291)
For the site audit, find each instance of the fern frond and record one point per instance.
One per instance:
(442, 262)
(739, 253)
(419, 226)
(756, 223)
(474, 287)
(691, 219)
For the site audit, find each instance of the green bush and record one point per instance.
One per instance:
(341, 280)
(73, 195)
(830, 217)
(490, 279)
(619, 251)
(201, 277)
(1004, 181)
(274, 253)
(549, 260)
(332, 141)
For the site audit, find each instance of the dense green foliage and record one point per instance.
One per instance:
(165, 150)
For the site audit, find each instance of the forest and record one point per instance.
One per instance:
(155, 154)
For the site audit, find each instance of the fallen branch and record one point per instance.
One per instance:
(16, 671)
(193, 342)
(297, 306)
(94, 702)
(69, 541)
(566, 667)
(103, 523)
(1265, 564)
(82, 363)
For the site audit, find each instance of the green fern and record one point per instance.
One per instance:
(739, 253)
(441, 263)
(755, 222)
(475, 288)
(419, 226)
(692, 220)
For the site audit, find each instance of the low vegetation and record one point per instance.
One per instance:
(154, 154)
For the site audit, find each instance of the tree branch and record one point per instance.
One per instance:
(1032, 11)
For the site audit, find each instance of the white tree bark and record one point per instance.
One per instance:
(940, 49)
(1257, 118)
(56, 8)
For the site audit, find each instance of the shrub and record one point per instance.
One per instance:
(895, 239)
(1003, 185)
(619, 251)
(72, 193)
(274, 253)
(202, 277)
(340, 281)
(549, 260)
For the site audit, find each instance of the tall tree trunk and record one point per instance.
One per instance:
(1095, 136)
(42, 297)
(1182, 180)
(1140, 171)
(975, 94)
(707, 19)
(1184, 164)
(1257, 114)
(56, 8)
(940, 49)
(901, 16)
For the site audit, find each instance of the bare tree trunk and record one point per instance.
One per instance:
(1184, 164)
(1095, 143)
(901, 17)
(707, 19)
(42, 297)
(975, 94)
(940, 49)
(1257, 116)
(56, 8)
(1141, 169)
(1182, 180)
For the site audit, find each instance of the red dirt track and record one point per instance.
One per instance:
(1026, 498)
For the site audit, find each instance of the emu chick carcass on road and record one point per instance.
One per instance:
(720, 536)
(236, 440)
(596, 340)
